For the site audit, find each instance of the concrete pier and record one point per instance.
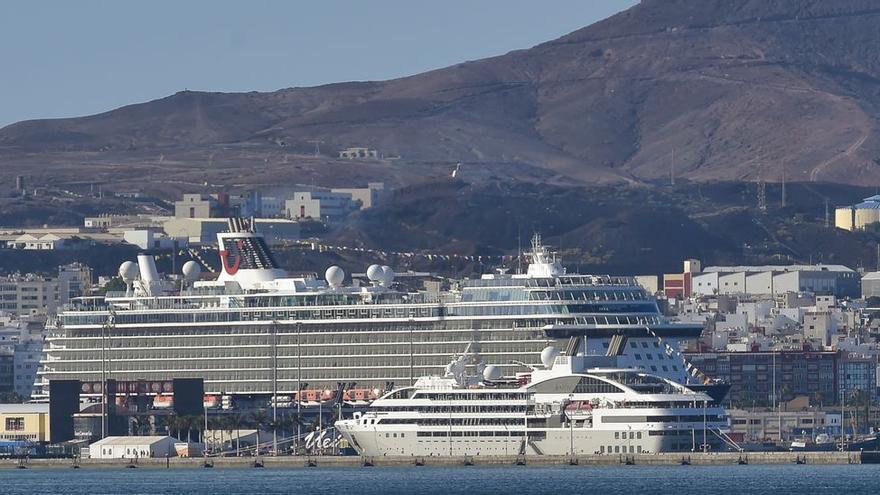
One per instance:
(692, 459)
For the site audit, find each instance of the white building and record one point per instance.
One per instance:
(320, 205)
(837, 280)
(368, 196)
(204, 230)
(150, 239)
(192, 206)
(133, 447)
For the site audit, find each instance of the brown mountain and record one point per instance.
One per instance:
(712, 89)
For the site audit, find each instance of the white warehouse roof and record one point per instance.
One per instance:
(778, 268)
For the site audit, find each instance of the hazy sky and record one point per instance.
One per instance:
(67, 58)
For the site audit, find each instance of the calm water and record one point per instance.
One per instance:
(776, 480)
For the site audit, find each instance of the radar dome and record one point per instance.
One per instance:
(491, 373)
(334, 276)
(548, 355)
(375, 273)
(128, 271)
(387, 275)
(191, 271)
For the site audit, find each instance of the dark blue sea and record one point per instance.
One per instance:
(473, 480)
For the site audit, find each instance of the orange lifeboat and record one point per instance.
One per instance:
(163, 401)
(211, 401)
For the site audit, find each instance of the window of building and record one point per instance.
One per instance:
(14, 424)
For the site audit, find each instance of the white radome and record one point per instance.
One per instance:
(129, 271)
(548, 355)
(375, 273)
(334, 276)
(387, 275)
(492, 373)
(191, 271)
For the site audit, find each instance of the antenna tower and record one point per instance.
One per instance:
(783, 183)
(762, 196)
(827, 214)
(317, 143)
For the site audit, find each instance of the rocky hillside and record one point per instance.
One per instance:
(709, 89)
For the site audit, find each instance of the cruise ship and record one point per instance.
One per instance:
(256, 333)
(568, 406)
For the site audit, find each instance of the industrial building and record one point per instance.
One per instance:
(871, 285)
(24, 422)
(859, 216)
(679, 285)
(772, 280)
(204, 230)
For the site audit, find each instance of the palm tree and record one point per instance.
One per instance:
(186, 423)
(288, 424)
(143, 426)
(216, 424)
(236, 421)
(260, 419)
(174, 424)
(228, 427)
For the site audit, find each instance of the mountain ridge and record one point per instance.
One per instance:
(706, 90)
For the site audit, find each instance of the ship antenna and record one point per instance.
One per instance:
(519, 251)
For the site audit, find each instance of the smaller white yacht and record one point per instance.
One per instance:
(572, 405)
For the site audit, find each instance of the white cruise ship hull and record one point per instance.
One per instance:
(371, 441)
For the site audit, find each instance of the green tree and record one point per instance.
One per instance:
(260, 420)
(236, 421)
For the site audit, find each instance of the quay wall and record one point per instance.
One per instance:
(695, 459)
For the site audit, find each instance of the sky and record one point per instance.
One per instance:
(62, 58)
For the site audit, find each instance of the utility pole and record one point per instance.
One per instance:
(783, 183)
(275, 388)
(317, 143)
(298, 385)
(762, 196)
(827, 214)
(411, 355)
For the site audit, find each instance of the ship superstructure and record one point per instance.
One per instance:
(564, 407)
(254, 331)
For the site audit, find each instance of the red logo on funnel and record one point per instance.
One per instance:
(231, 269)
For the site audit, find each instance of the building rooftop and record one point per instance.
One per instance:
(779, 268)
(24, 408)
(133, 440)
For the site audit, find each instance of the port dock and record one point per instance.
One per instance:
(682, 459)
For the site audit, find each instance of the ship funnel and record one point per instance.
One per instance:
(149, 273)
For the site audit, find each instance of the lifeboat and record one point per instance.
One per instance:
(163, 401)
(328, 395)
(361, 396)
(211, 401)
